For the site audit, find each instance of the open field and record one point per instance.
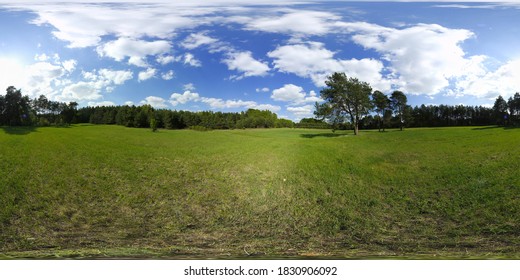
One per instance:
(114, 192)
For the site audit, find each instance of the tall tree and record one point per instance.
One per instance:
(381, 103)
(514, 108)
(344, 97)
(16, 107)
(398, 101)
(500, 109)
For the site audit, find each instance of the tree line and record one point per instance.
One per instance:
(351, 101)
(19, 110)
(349, 104)
(146, 116)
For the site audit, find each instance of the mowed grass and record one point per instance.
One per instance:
(114, 192)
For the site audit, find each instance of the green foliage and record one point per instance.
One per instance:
(199, 128)
(382, 105)
(513, 104)
(398, 102)
(281, 123)
(344, 97)
(312, 123)
(500, 109)
(153, 124)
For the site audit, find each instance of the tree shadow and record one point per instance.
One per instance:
(19, 130)
(496, 127)
(326, 135)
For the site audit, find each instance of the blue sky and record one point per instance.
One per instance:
(229, 56)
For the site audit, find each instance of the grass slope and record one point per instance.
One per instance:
(109, 191)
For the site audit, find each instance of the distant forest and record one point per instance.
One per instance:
(19, 110)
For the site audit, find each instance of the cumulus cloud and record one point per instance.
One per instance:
(187, 96)
(312, 60)
(295, 22)
(134, 49)
(424, 57)
(189, 87)
(288, 93)
(240, 61)
(167, 59)
(96, 82)
(306, 111)
(85, 24)
(418, 59)
(218, 103)
(146, 74)
(196, 40)
(244, 63)
(503, 81)
(80, 91)
(106, 77)
(69, 65)
(190, 59)
(294, 95)
(168, 75)
(42, 77)
(155, 101)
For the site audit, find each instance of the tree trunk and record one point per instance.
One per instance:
(356, 129)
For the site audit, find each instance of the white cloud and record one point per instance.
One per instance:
(12, 73)
(289, 93)
(245, 63)
(503, 81)
(295, 22)
(424, 57)
(189, 87)
(197, 39)
(135, 50)
(187, 96)
(129, 103)
(142, 34)
(155, 101)
(264, 89)
(96, 82)
(301, 112)
(101, 103)
(314, 61)
(294, 95)
(190, 59)
(272, 108)
(80, 91)
(46, 77)
(168, 75)
(84, 24)
(108, 77)
(166, 59)
(41, 57)
(217, 103)
(69, 65)
(42, 78)
(147, 74)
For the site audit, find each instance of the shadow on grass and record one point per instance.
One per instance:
(496, 127)
(326, 135)
(19, 130)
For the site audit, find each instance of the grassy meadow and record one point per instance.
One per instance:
(113, 192)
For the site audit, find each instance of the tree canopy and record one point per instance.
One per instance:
(345, 97)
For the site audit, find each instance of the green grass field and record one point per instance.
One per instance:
(114, 192)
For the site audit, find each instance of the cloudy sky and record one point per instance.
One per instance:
(228, 55)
